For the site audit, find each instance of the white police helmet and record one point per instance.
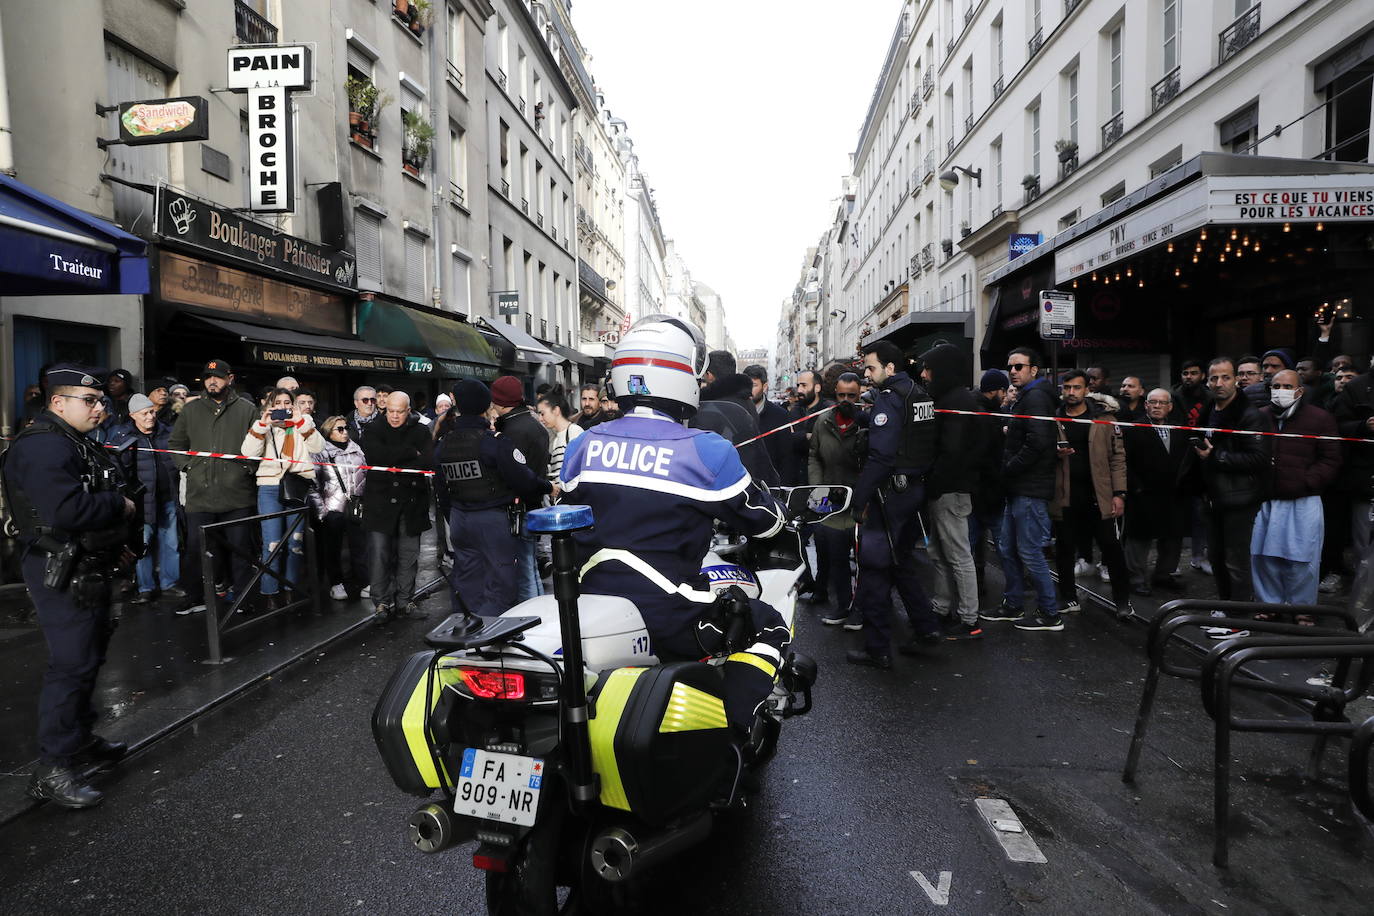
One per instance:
(657, 365)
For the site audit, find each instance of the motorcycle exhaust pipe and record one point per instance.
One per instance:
(617, 853)
(433, 828)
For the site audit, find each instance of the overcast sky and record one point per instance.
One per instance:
(743, 113)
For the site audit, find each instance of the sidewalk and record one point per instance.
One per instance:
(156, 675)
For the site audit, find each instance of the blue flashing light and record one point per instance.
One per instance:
(559, 518)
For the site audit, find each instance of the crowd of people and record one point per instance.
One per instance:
(1019, 467)
(1057, 471)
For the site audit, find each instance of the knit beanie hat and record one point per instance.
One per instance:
(507, 392)
(471, 397)
(994, 380)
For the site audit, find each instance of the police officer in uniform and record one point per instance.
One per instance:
(68, 499)
(655, 487)
(485, 474)
(887, 501)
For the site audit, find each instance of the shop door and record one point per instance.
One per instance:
(37, 343)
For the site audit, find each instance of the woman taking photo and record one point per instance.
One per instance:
(338, 505)
(284, 437)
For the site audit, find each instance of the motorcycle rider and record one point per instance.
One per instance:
(655, 487)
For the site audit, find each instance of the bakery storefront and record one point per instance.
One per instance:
(1222, 254)
(269, 303)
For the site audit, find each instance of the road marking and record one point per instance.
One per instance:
(938, 894)
(1009, 831)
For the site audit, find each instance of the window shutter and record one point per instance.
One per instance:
(367, 244)
(415, 267)
(461, 298)
(358, 60)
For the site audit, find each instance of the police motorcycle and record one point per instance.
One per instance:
(585, 782)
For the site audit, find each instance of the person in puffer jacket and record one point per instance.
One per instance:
(286, 444)
(340, 475)
(158, 569)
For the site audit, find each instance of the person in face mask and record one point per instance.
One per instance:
(1287, 540)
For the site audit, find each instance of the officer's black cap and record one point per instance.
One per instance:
(471, 397)
(217, 367)
(70, 375)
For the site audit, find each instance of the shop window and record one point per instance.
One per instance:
(367, 247)
(415, 267)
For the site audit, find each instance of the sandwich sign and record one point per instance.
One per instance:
(269, 75)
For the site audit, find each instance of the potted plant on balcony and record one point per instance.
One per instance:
(421, 15)
(964, 229)
(1032, 185)
(947, 246)
(1066, 149)
(419, 138)
(401, 8)
(365, 102)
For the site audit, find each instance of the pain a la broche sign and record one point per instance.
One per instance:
(269, 75)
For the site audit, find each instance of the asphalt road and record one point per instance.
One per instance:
(278, 802)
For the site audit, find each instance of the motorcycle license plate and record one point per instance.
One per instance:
(498, 787)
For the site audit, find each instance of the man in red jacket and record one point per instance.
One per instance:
(1287, 541)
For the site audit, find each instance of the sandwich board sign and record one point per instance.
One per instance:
(269, 74)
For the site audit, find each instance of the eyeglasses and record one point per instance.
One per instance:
(367, 400)
(89, 400)
(339, 429)
(1017, 367)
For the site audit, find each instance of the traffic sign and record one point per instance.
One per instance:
(1056, 314)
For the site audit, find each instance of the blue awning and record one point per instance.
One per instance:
(51, 248)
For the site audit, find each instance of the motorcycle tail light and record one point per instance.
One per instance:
(489, 684)
(489, 863)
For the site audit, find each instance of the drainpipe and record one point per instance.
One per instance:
(438, 88)
(6, 133)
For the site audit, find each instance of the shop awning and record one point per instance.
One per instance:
(916, 332)
(50, 248)
(526, 347)
(432, 344)
(284, 347)
(572, 355)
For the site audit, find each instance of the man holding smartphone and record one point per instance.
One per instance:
(1234, 468)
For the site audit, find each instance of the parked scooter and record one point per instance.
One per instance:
(586, 782)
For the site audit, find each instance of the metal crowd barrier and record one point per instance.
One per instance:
(221, 623)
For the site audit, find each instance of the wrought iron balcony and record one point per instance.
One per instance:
(968, 123)
(999, 87)
(539, 220)
(928, 169)
(1032, 189)
(455, 74)
(251, 28)
(524, 206)
(1070, 6)
(1068, 166)
(915, 265)
(1112, 130)
(1237, 35)
(521, 105)
(927, 256)
(915, 106)
(949, 146)
(928, 82)
(968, 15)
(505, 188)
(949, 47)
(1037, 41)
(1164, 91)
(456, 194)
(996, 211)
(501, 78)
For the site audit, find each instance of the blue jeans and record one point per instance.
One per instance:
(290, 561)
(527, 582)
(1025, 535)
(160, 567)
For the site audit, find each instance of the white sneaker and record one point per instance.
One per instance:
(1102, 572)
(366, 592)
(339, 593)
(1330, 583)
(1082, 567)
(1320, 680)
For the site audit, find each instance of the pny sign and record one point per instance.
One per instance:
(269, 76)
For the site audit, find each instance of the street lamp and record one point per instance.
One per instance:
(949, 178)
(838, 313)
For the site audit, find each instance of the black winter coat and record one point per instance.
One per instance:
(391, 499)
(726, 409)
(155, 470)
(958, 438)
(532, 438)
(1352, 407)
(1236, 472)
(1029, 459)
(1157, 480)
(779, 445)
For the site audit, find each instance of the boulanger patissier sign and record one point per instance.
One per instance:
(197, 224)
(269, 75)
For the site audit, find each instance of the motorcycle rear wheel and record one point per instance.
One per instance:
(530, 887)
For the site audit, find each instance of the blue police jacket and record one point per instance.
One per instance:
(655, 488)
(887, 424)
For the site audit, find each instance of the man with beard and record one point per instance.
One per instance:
(217, 489)
(728, 410)
(809, 400)
(771, 416)
(1132, 400)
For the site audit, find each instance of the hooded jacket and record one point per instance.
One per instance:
(1029, 458)
(958, 438)
(727, 409)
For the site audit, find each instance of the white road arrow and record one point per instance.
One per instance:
(939, 895)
